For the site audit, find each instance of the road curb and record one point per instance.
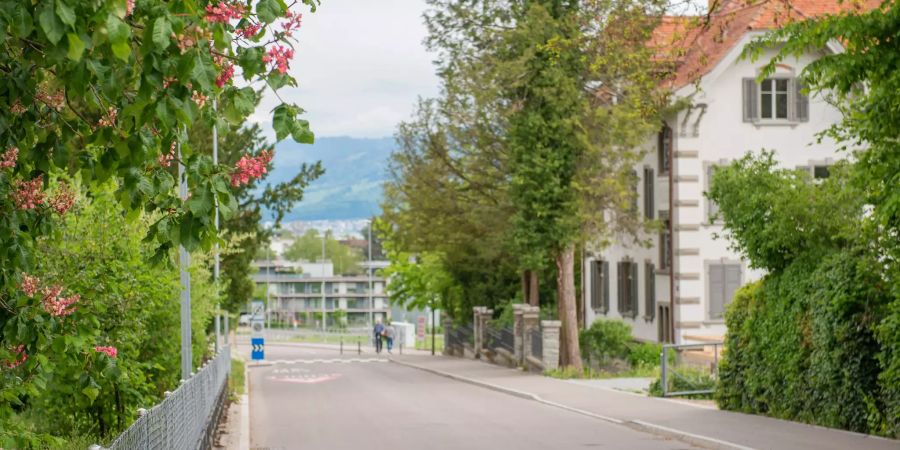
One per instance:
(683, 436)
(509, 391)
(637, 425)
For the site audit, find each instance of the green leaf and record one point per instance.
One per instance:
(91, 393)
(250, 60)
(51, 26)
(283, 121)
(65, 13)
(162, 33)
(203, 73)
(22, 25)
(119, 37)
(76, 46)
(301, 132)
(269, 10)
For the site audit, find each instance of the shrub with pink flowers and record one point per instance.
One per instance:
(97, 92)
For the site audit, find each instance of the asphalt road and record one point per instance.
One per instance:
(310, 399)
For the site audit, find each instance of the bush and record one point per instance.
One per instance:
(644, 354)
(605, 340)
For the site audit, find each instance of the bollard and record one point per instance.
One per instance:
(342, 345)
(401, 348)
(358, 347)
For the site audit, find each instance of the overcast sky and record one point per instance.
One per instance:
(360, 65)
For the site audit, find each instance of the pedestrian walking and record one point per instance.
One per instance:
(389, 336)
(379, 333)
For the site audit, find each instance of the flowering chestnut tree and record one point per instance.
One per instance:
(108, 89)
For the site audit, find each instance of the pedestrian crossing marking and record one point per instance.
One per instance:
(328, 361)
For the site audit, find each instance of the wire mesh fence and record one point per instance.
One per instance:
(689, 369)
(186, 418)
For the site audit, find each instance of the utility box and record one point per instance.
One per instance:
(406, 334)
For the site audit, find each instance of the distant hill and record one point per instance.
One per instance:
(354, 171)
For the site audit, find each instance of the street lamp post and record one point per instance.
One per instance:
(371, 299)
(184, 263)
(215, 158)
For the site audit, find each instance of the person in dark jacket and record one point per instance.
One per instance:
(379, 333)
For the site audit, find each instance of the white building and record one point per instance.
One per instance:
(730, 114)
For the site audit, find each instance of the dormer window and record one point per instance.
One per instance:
(775, 100)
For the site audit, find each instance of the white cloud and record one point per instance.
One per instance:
(360, 65)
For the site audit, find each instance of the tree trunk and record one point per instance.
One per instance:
(533, 289)
(570, 354)
(579, 293)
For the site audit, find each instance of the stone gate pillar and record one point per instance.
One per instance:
(531, 316)
(550, 329)
(519, 333)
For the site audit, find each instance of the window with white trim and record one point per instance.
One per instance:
(775, 99)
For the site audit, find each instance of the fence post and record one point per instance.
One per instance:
(518, 333)
(550, 336)
(662, 370)
(448, 325)
(530, 321)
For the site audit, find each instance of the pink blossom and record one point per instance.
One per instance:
(225, 76)
(28, 194)
(17, 107)
(165, 160)
(56, 305)
(250, 167)
(109, 120)
(21, 358)
(249, 30)
(63, 200)
(223, 12)
(30, 284)
(129, 7)
(108, 351)
(199, 99)
(8, 159)
(280, 55)
(293, 23)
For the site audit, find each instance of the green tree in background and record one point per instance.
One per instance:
(529, 151)
(308, 247)
(256, 202)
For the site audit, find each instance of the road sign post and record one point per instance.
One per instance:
(257, 339)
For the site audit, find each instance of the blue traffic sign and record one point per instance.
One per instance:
(258, 351)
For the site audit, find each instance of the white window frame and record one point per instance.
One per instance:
(789, 80)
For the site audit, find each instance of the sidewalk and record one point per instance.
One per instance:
(700, 425)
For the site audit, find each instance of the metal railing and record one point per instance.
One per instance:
(689, 369)
(500, 338)
(186, 419)
(459, 338)
(536, 339)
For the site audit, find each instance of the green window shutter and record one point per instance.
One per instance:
(634, 290)
(801, 101)
(605, 305)
(751, 100)
(733, 280)
(716, 290)
(649, 290)
(648, 193)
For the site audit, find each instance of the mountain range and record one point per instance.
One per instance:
(351, 186)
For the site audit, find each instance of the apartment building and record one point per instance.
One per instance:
(730, 113)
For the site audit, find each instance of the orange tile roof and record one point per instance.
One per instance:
(696, 44)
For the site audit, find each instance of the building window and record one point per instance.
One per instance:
(775, 99)
(664, 148)
(722, 281)
(648, 193)
(649, 290)
(820, 172)
(600, 286)
(628, 289)
(665, 242)
(664, 329)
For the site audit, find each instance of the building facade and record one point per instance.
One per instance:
(301, 293)
(730, 113)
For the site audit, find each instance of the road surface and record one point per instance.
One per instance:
(313, 399)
